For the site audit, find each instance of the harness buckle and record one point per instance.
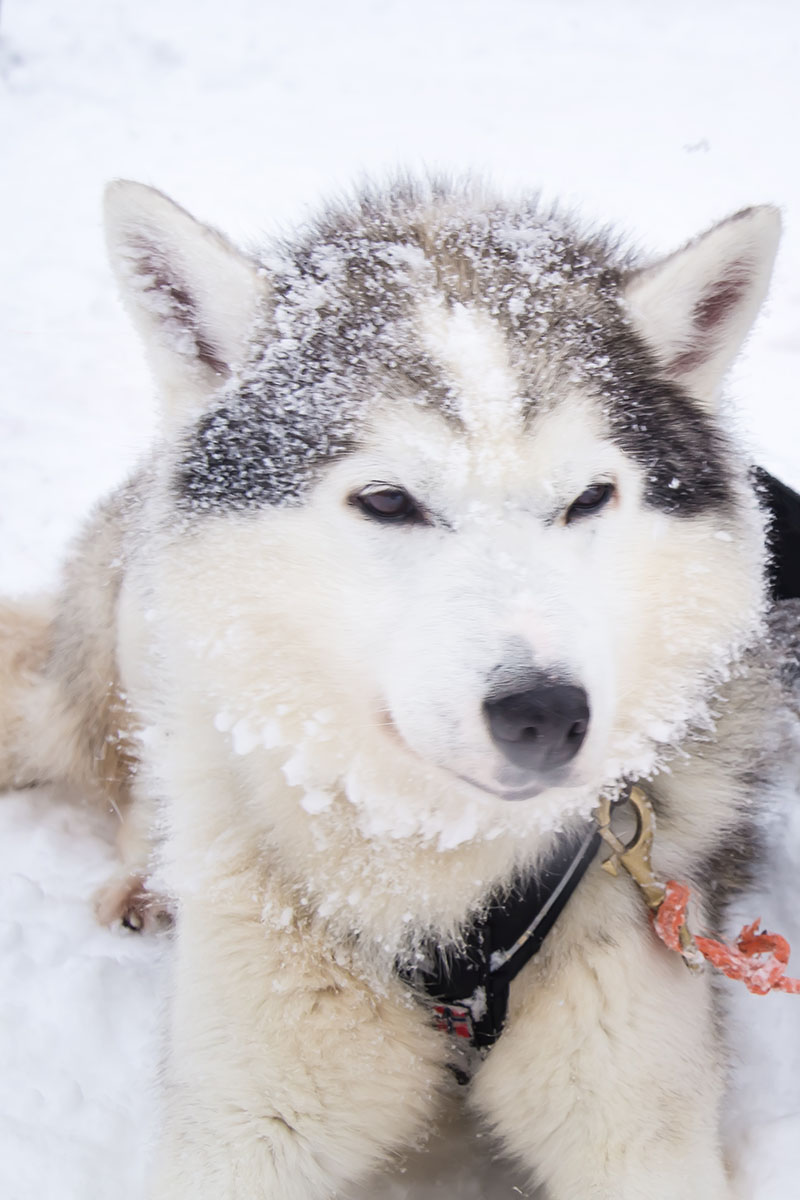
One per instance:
(634, 856)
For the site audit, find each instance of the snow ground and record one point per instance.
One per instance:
(660, 118)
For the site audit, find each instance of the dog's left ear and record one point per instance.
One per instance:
(193, 296)
(695, 307)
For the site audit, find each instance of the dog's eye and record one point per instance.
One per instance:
(591, 500)
(388, 504)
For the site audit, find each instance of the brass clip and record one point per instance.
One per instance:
(635, 858)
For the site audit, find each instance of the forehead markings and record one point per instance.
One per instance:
(470, 350)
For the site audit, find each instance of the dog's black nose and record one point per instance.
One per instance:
(541, 728)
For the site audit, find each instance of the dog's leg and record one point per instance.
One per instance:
(289, 1076)
(607, 1082)
(70, 734)
(126, 896)
(24, 646)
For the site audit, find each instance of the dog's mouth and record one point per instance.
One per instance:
(510, 789)
(531, 737)
(525, 791)
(529, 792)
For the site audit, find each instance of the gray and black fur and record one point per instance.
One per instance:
(338, 333)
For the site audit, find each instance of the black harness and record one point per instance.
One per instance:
(466, 984)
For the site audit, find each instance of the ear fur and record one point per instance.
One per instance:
(696, 306)
(192, 295)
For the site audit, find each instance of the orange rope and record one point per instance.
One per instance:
(759, 960)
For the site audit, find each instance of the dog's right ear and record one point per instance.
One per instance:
(696, 306)
(192, 295)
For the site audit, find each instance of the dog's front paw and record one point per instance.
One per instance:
(126, 899)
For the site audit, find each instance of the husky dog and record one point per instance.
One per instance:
(444, 540)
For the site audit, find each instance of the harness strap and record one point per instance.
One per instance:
(467, 983)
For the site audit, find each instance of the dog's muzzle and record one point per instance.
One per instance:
(541, 728)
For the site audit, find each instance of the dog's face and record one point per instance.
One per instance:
(520, 557)
(522, 628)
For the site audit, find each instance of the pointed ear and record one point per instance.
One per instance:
(192, 295)
(696, 307)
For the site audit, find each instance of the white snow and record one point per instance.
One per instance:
(316, 801)
(243, 737)
(660, 118)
